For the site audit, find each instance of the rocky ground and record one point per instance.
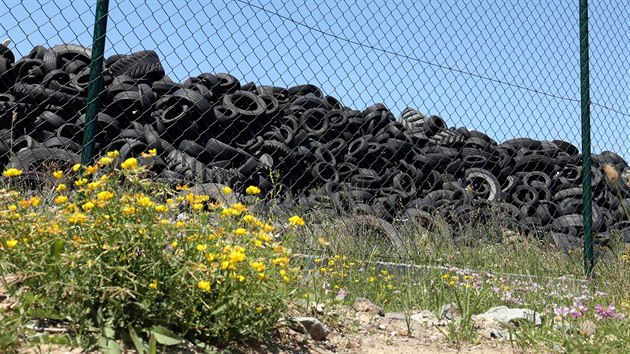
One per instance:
(361, 328)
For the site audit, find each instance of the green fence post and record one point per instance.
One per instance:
(96, 81)
(586, 139)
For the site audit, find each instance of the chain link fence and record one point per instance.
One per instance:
(378, 116)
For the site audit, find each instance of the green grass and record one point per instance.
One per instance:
(126, 260)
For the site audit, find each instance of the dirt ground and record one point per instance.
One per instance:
(351, 330)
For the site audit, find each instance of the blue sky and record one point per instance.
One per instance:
(507, 68)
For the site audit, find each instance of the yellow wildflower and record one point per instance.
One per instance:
(258, 266)
(105, 160)
(145, 202)
(94, 185)
(77, 218)
(151, 152)
(236, 256)
(81, 182)
(58, 174)
(87, 206)
(113, 154)
(153, 284)
(161, 208)
(129, 210)
(76, 167)
(12, 243)
(174, 244)
(201, 247)
(225, 265)
(249, 218)
(259, 309)
(240, 207)
(35, 201)
(91, 169)
(204, 285)
(296, 221)
(229, 212)
(129, 164)
(104, 196)
(197, 206)
(281, 261)
(60, 199)
(262, 276)
(252, 190)
(240, 231)
(61, 187)
(12, 172)
(226, 190)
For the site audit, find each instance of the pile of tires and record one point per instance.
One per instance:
(212, 128)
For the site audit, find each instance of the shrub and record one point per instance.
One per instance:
(115, 251)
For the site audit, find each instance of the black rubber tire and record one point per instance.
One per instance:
(305, 89)
(523, 195)
(245, 104)
(354, 225)
(60, 55)
(139, 65)
(562, 241)
(575, 193)
(61, 143)
(484, 184)
(29, 159)
(536, 179)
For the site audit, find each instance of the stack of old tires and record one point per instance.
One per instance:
(211, 128)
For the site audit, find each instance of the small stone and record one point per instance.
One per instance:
(395, 316)
(382, 327)
(423, 316)
(319, 308)
(503, 314)
(449, 312)
(587, 328)
(311, 325)
(365, 305)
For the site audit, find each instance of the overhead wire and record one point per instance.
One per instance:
(426, 62)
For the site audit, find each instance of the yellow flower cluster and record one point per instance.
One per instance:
(204, 285)
(150, 153)
(12, 172)
(252, 190)
(296, 221)
(129, 164)
(77, 218)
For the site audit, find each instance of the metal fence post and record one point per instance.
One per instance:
(586, 139)
(96, 81)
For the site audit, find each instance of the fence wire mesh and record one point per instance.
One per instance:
(380, 117)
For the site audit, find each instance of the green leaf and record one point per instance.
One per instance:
(152, 344)
(108, 346)
(165, 336)
(55, 250)
(114, 348)
(219, 309)
(47, 314)
(108, 332)
(141, 347)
